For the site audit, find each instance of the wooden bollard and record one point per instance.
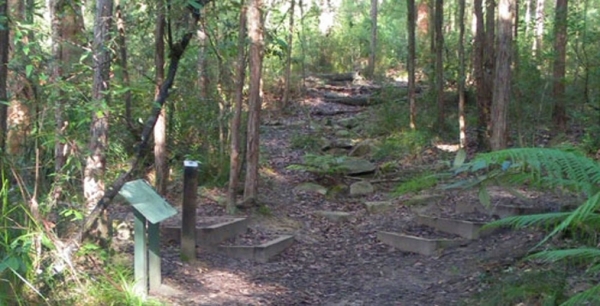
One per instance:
(188, 222)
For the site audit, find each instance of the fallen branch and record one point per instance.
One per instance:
(177, 51)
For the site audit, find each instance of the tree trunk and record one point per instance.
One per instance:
(478, 71)
(93, 182)
(175, 56)
(527, 20)
(559, 115)
(502, 88)
(410, 5)
(67, 35)
(373, 43)
(439, 61)
(487, 85)
(288, 60)
(234, 164)
(161, 168)
(461, 75)
(22, 89)
(122, 47)
(4, 43)
(255, 33)
(539, 29)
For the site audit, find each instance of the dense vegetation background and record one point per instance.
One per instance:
(94, 93)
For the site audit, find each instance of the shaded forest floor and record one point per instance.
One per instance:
(338, 263)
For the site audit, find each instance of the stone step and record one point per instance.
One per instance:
(501, 210)
(419, 245)
(210, 235)
(465, 229)
(260, 253)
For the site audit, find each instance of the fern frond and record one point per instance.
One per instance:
(529, 220)
(550, 167)
(585, 253)
(588, 297)
(578, 215)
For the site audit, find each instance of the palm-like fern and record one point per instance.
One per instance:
(545, 168)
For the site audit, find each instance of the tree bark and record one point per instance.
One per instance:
(439, 62)
(288, 60)
(502, 84)
(234, 158)
(410, 5)
(93, 182)
(478, 71)
(122, 48)
(373, 42)
(161, 168)
(255, 33)
(461, 75)
(559, 115)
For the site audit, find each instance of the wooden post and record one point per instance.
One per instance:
(140, 254)
(188, 223)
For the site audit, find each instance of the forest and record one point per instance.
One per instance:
(379, 152)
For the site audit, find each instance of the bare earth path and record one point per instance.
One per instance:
(332, 263)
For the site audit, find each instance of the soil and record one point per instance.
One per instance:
(336, 263)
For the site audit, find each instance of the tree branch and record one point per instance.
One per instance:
(177, 52)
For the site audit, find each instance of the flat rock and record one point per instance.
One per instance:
(356, 166)
(349, 123)
(342, 133)
(363, 148)
(361, 188)
(311, 187)
(423, 199)
(344, 143)
(378, 206)
(334, 216)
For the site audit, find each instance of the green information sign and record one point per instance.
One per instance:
(149, 209)
(145, 200)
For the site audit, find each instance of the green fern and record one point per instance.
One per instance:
(559, 169)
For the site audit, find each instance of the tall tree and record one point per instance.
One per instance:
(439, 61)
(373, 43)
(123, 62)
(161, 168)
(3, 72)
(411, 61)
(255, 33)
(288, 59)
(461, 74)
(478, 72)
(67, 44)
(20, 85)
(559, 116)
(502, 83)
(539, 28)
(234, 162)
(93, 182)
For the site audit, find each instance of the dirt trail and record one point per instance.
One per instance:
(332, 263)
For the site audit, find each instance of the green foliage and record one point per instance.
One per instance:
(321, 164)
(530, 287)
(400, 144)
(115, 286)
(264, 210)
(418, 183)
(304, 142)
(548, 168)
